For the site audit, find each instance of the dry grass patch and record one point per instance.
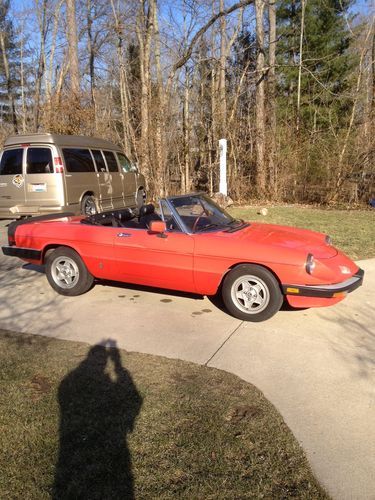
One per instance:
(81, 422)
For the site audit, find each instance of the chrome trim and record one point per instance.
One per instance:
(175, 214)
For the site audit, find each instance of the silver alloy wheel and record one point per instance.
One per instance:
(250, 294)
(140, 198)
(89, 207)
(65, 272)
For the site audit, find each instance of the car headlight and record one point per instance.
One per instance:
(328, 240)
(310, 263)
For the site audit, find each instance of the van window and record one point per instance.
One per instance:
(78, 160)
(39, 161)
(111, 161)
(125, 164)
(11, 162)
(99, 160)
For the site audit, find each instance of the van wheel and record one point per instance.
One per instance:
(141, 198)
(88, 206)
(66, 272)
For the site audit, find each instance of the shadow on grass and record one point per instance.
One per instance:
(99, 404)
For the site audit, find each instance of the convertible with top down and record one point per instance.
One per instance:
(188, 244)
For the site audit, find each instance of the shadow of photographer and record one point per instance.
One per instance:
(99, 404)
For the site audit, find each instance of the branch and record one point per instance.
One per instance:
(184, 59)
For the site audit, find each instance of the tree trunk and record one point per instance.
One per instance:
(300, 63)
(144, 28)
(159, 114)
(91, 51)
(51, 65)
(73, 48)
(22, 80)
(186, 122)
(272, 167)
(260, 120)
(127, 135)
(9, 83)
(41, 64)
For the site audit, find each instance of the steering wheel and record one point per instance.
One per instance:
(198, 219)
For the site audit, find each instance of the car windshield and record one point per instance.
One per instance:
(199, 213)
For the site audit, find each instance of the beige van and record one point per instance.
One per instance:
(48, 173)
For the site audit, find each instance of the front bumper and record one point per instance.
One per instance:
(22, 253)
(326, 291)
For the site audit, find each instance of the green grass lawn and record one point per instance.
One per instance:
(81, 422)
(353, 231)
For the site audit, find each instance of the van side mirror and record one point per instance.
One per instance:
(158, 227)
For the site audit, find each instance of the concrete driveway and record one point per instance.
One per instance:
(316, 366)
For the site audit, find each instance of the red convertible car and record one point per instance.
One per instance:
(190, 244)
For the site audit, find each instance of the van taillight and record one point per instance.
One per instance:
(11, 240)
(59, 169)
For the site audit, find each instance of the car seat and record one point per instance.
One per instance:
(146, 215)
(120, 218)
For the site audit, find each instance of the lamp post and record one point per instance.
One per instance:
(223, 187)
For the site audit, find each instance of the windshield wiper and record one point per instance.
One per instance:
(235, 221)
(241, 224)
(208, 226)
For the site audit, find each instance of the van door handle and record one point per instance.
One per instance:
(123, 235)
(68, 175)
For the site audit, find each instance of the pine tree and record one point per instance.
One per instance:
(326, 63)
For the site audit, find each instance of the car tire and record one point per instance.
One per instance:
(88, 206)
(251, 293)
(66, 272)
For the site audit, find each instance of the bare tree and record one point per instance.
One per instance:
(144, 29)
(272, 164)
(51, 64)
(42, 21)
(340, 175)
(260, 117)
(128, 133)
(22, 78)
(73, 48)
(300, 61)
(9, 85)
(160, 110)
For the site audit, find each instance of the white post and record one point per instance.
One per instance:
(223, 188)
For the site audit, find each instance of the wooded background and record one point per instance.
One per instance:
(290, 84)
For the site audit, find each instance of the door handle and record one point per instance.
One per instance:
(123, 235)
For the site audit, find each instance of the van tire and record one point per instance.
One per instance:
(140, 198)
(88, 206)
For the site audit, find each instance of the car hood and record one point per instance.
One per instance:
(288, 237)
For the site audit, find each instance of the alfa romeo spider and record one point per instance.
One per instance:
(188, 243)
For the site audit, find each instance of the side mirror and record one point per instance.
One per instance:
(158, 227)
